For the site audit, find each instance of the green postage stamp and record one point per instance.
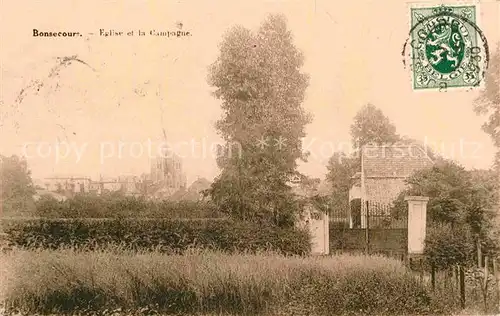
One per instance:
(447, 48)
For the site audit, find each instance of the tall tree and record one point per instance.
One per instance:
(257, 77)
(488, 102)
(372, 126)
(16, 186)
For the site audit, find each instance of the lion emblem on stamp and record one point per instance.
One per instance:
(447, 48)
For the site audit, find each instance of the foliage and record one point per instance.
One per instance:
(446, 246)
(17, 188)
(464, 201)
(488, 102)
(116, 205)
(455, 196)
(257, 77)
(483, 288)
(486, 203)
(49, 206)
(162, 235)
(371, 126)
(341, 168)
(204, 282)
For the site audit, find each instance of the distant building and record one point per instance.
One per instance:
(131, 185)
(167, 173)
(109, 184)
(67, 185)
(384, 170)
(95, 187)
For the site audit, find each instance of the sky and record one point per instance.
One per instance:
(103, 114)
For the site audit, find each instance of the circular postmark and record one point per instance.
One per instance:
(445, 48)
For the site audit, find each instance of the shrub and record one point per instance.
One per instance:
(116, 205)
(446, 246)
(48, 206)
(150, 234)
(211, 282)
(362, 291)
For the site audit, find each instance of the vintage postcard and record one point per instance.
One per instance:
(265, 157)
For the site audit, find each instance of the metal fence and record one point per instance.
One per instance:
(371, 227)
(371, 214)
(472, 288)
(380, 215)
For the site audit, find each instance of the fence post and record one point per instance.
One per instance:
(446, 280)
(433, 276)
(417, 217)
(497, 278)
(485, 284)
(479, 254)
(462, 287)
(367, 230)
(421, 264)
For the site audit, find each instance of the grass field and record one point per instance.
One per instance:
(209, 283)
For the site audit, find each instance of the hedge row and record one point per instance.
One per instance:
(116, 205)
(170, 236)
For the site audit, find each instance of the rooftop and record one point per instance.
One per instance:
(394, 161)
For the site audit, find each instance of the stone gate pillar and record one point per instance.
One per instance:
(417, 217)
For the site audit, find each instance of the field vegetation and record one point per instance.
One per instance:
(208, 282)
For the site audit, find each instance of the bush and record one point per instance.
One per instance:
(446, 246)
(150, 234)
(116, 205)
(361, 291)
(48, 206)
(210, 282)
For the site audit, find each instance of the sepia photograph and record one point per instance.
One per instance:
(260, 158)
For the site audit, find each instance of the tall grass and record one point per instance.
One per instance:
(209, 282)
